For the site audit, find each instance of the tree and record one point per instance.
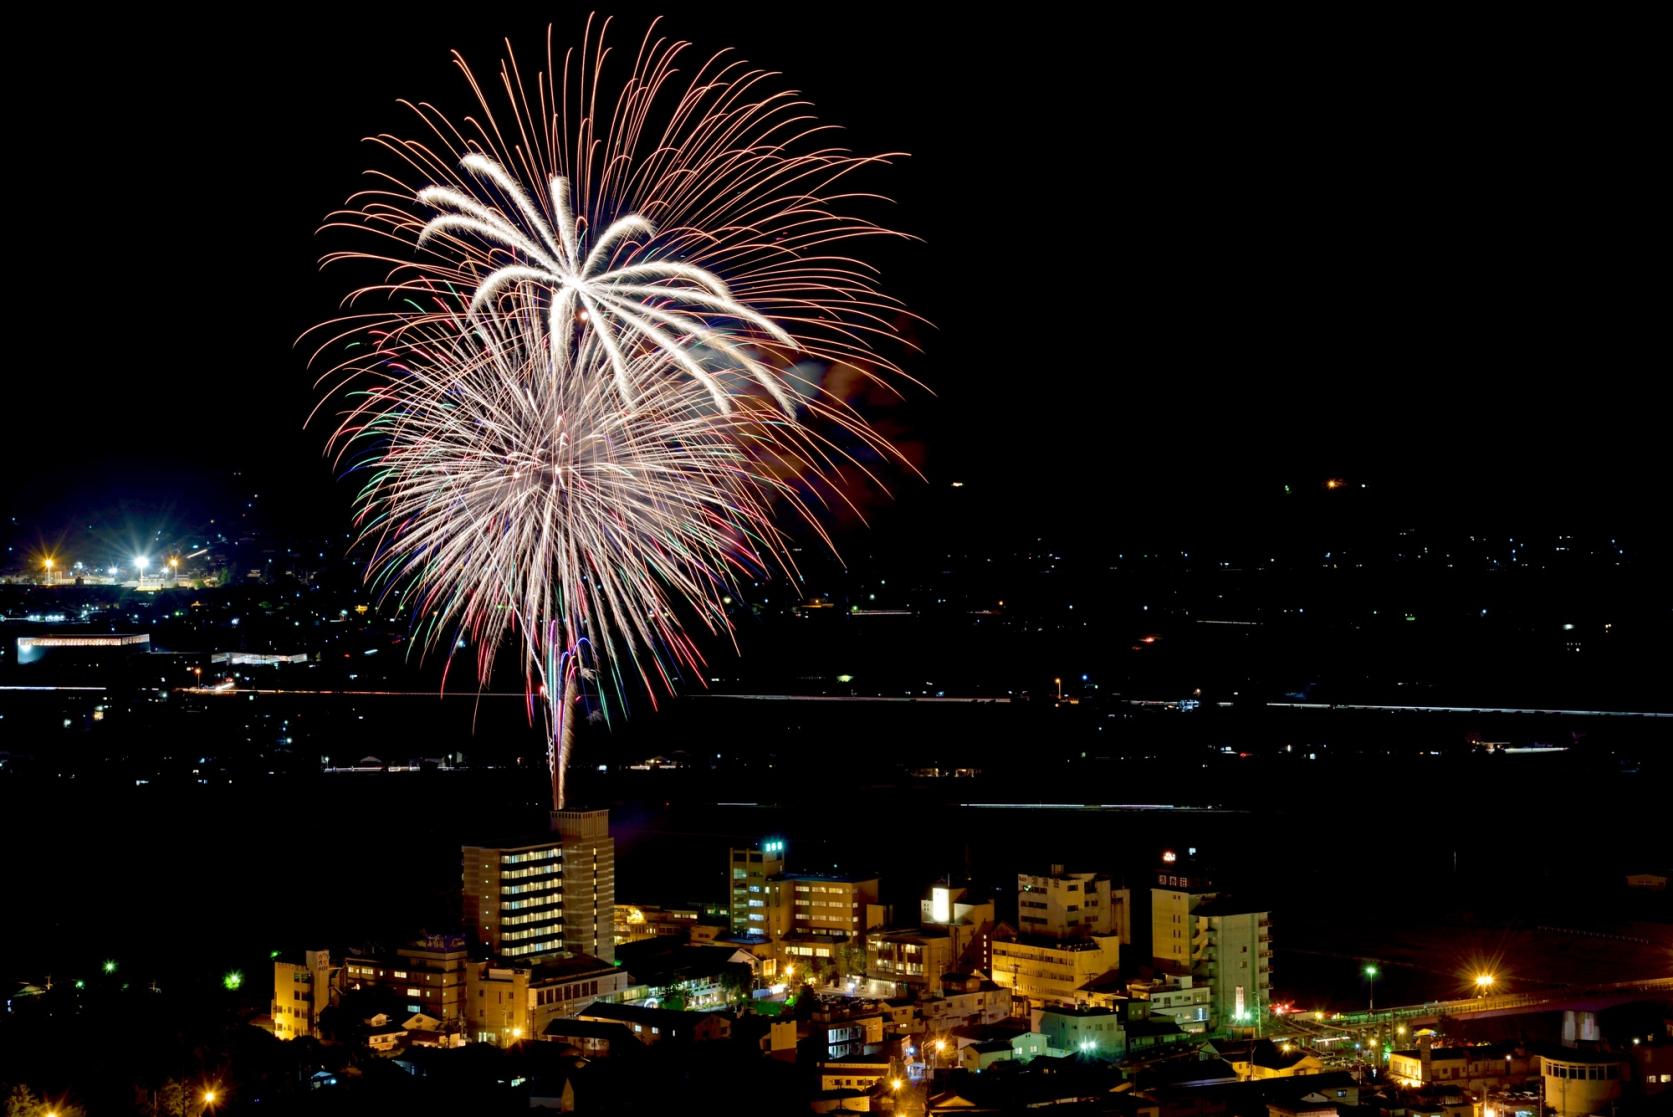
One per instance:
(21, 1101)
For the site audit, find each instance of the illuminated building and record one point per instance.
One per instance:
(750, 870)
(81, 645)
(428, 975)
(635, 922)
(1067, 905)
(1220, 943)
(1093, 1032)
(1052, 971)
(508, 1003)
(831, 906)
(545, 897)
(955, 936)
(301, 990)
(1576, 1083)
(1176, 997)
(910, 959)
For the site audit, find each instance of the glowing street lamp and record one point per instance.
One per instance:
(1484, 983)
(140, 563)
(48, 565)
(1371, 997)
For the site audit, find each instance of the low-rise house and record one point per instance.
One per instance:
(593, 1039)
(660, 1025)
(853, 1072)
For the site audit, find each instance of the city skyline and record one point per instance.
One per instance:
(1133, 578)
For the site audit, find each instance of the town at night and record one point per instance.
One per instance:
(835, 561)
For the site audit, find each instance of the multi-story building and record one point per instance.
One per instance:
(1221, 943)
(1069, 905)
(301, 991)
(1176, 997)
(635, 922)
(965, 999)
(1053, 971)
(1083, 1030)
(1478, 1068)
(831, 906)
(955, 937)
(427, 976)
(547, 896)
(508, 1003)
(910, 959)
(750, 870)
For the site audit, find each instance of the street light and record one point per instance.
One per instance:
(1371, 997)
(1484, 983)
(48, 565)
(140, 563)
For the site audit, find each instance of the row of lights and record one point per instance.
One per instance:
(140, 563)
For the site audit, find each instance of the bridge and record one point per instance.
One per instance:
(1325, 1026)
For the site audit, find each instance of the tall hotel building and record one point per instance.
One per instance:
(546, 897)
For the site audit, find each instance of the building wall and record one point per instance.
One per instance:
(1096, 1033)
(1051, 973)
(1172, 927)
(589, 882)
(1577, 1089)
(833, 908)
(1236, 962)
(941, 1014)
(428, 977)
(749, 871)
(542, 898)
(497, 1004)
(571, 996)
(300, 992)
(513, 898)
(1190, 1007)
(917, 961)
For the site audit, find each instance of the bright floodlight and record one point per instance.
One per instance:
(140, 563)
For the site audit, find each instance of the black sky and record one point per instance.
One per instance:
(1167, 264)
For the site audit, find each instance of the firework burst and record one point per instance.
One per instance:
(577, 397)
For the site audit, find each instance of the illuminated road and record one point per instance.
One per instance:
(1465, 710)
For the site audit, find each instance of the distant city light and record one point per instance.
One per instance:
(233, 979)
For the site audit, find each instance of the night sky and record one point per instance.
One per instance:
(1168, 266)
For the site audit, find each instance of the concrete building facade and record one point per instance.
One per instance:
(301, 991)
(1220, 943)
(548, 896)
(749, 870)
(1065, 905)
(1051, 971)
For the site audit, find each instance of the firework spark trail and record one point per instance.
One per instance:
(575, 400)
